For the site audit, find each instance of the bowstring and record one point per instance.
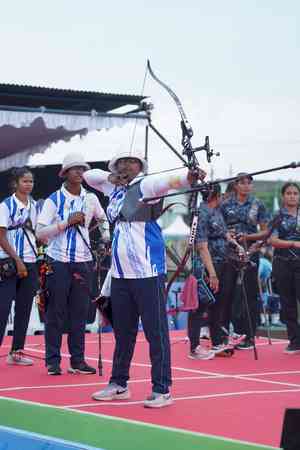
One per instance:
(135, 122)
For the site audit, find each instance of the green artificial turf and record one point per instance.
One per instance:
(106, 432)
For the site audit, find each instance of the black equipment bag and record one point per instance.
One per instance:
(8, 268)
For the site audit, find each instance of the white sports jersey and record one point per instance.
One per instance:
(68, 245)
(12, 214)
(138, 249)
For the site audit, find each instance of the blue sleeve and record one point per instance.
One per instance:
(262, 216)
(274, 224)
(202, 227)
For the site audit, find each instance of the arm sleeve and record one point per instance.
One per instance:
(155, 185)
(202, 231)
(4, 216)
(262, 213)
(98, 179)
(44, 233)
(47, 227)
(275, 231)
(98, 210)
(100, 215)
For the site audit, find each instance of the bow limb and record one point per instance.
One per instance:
(175, 258)
(187, 131)
(179, 269)
(174, 97)
(192, 163)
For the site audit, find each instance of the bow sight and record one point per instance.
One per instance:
(206, 148)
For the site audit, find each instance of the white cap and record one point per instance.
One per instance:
(73, 160)
(113, 162)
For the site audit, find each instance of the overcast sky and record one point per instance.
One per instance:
(234, 64)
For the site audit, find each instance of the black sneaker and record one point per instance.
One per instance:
(54, 370)
(82, 368)
(292, 348)
(248, 344)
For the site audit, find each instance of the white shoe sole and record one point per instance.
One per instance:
(223, 349)
(14, 363)
(251, 347)
(122, 396)
(158, 405)
(202, 358)
(237, 341)
(82, 372)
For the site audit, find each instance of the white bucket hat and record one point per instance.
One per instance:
(138, 155)
(72, 160)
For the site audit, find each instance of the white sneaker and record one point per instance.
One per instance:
(201, 353)
(112, 392)
(216, 349)
(236, 339)
(157, 400)
(204, 333)
(17, 358)
(263, 320)
(275, 320)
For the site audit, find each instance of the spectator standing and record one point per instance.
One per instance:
(138, 270)
(286, 263)
(246, 219)
(18, 252)
(63, 226)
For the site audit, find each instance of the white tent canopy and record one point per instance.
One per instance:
(37, 131)
(26, 128)
(177, 229)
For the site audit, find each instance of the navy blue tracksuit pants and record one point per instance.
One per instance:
(209, 314)
(235, 308)
(131, 299)
(69, 286)
(22, 290)
(287, 280)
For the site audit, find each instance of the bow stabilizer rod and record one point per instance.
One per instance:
(206, 185)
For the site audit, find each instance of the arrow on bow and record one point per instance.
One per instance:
(206, 186)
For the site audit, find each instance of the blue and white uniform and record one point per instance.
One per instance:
(68, 245)
(138, 275)
(70, 280)
(138, 249)
(14, 213)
